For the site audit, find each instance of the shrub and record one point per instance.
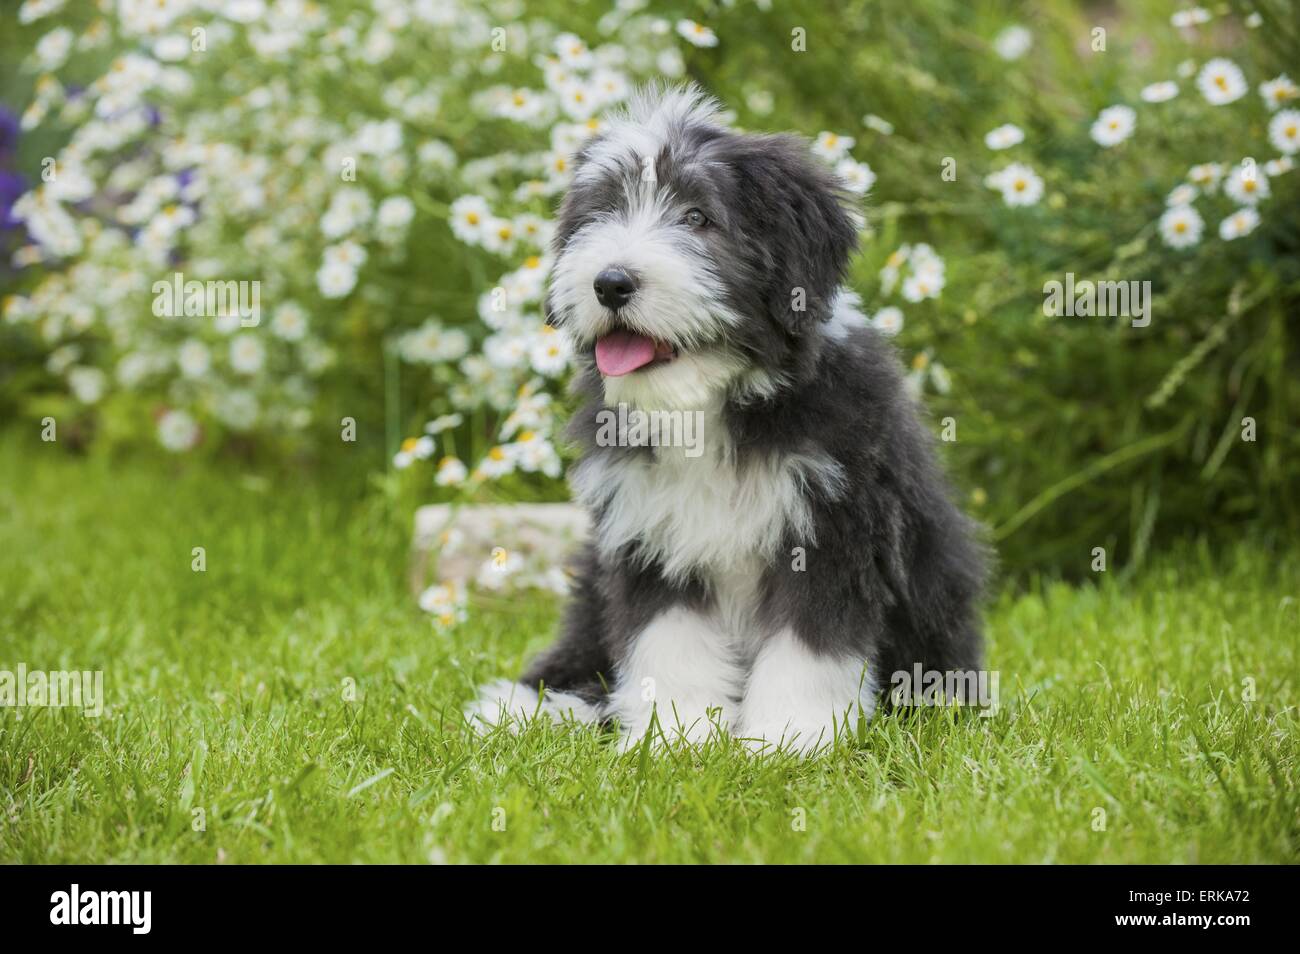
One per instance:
(386, 170)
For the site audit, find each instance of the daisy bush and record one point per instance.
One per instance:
(387, 170)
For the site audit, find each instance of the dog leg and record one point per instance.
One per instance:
(799, 699)
(681, 668)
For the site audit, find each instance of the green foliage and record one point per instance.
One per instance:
(1075, 432)
(227, 691)
(1072, 433)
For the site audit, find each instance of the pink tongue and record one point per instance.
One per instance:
(622, 352)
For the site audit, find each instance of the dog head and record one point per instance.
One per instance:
(693, 261)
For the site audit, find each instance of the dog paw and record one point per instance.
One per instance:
(513, 705)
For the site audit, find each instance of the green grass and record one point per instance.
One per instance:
(225, 693)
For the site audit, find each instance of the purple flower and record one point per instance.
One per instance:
(12, 185)
(10, 130)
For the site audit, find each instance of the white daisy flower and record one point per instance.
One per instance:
(1278, 92)
(499, 236)
(1193, 16)
(497, 463)
(1019, 184)
(451, 471)
(469, 214)
(573, 53)
(888, 321)
(1181, 226)
(1113, 125)
(444, 423)
(1242, 222)
(289, 322)
(1221, 82)
(1004, 137)
(856, 176)
(87, 384)
(1206, 176)
(1013, 42)
(1160, 92)
(441, 597)
(497, 569)
(193, 359)
(579, 100)
(760, 101)
(1246, 184)
(920, 286)
(832, 147)
(177, 431)
(335, 279)
(878, 124)
(247, 354)
(171, 48)
(1276, 167)
(696, 34)
(1182, 194)
(349, 209)
(53, 49)
(395, 213)
(549, 354)
(1284, 131)
(521, 105)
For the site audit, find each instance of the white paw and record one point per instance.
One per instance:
(506, 702)
(798, 700)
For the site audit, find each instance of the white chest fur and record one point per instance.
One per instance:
(709, 513)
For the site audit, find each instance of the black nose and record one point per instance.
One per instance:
(614, 287)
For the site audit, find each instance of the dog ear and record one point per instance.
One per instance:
(800, 225)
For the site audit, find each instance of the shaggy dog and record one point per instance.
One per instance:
(770, 580)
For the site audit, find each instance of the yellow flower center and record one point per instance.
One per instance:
(408, 445)
(1221, 82)
(472, 218)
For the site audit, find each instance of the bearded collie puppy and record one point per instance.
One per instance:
(768, 579)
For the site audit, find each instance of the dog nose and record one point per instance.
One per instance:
(614, 287)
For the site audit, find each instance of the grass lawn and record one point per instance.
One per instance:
(226, 693)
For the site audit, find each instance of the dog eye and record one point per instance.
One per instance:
(696, 219)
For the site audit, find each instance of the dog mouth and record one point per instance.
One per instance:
(622, 352)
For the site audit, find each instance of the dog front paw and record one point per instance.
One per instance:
(512, 704)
